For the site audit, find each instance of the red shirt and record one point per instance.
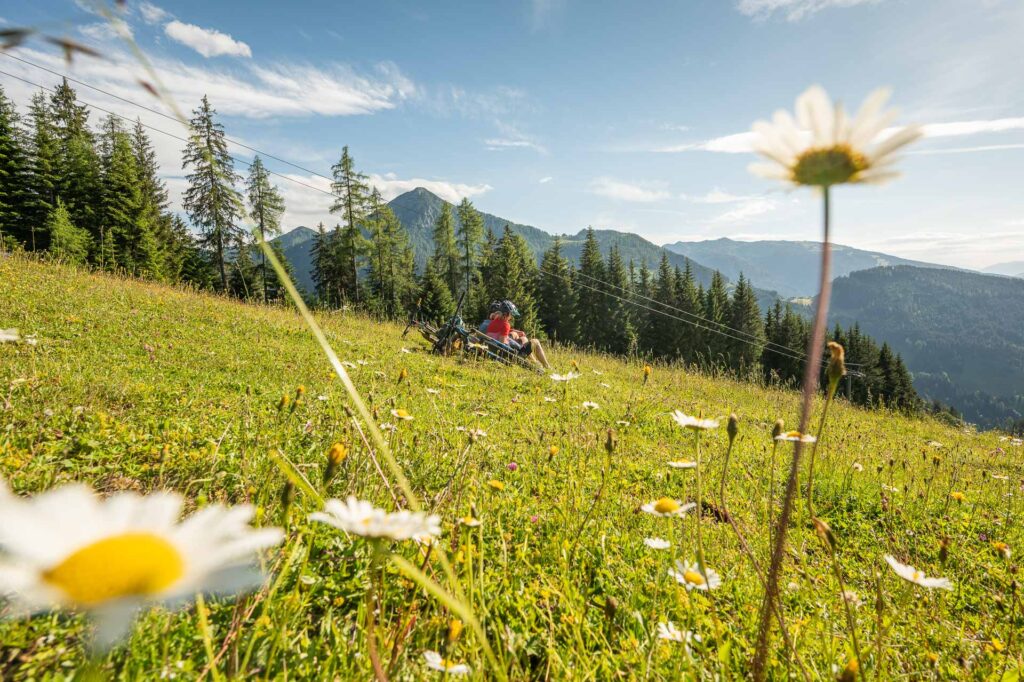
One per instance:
(499, 328)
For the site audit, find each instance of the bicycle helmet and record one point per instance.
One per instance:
(508, 308)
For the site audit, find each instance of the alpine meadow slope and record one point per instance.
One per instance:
(132, 386)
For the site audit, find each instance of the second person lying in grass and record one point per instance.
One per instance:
(499, 328)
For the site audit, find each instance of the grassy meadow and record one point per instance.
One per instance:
(136, 386)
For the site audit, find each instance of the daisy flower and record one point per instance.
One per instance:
(683, 464)
(348, 365)
(670, 632)
(433, 391)
(362, 518)
(469, 521)
(549, 399)
(565, 377)
(475, 433)
(794, 436)
(657, 543)
(9, 336)
(823, 146)
(69, 549)
(402, 414)
(405, 350)
(857, 466)
(694, 423)
(911, 574)
(689, 576)
(1002, 548)
(388, 426)
(434, 661)
(588, 405)
(666, 506)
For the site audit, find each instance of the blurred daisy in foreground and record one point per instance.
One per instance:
(434, 661)
(689, 576)
(694, 423)
(657, 543)
(669, 632)
(9, 336)
(823, 146)
(362, 518)
(70, 549)
(911, 574)
(402, 414)
(588, 405)
(666, 506)
(794, 436)
(565, 377)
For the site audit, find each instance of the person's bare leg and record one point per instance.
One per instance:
(538, 352)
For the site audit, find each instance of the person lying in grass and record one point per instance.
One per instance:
(500, 329)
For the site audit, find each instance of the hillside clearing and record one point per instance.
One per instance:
(136, 386)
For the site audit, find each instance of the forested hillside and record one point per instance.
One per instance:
(961, 333)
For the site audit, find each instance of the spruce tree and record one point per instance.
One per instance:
(436, 304)
(687, 300)
(619, 332)
(42, 179)
(67, 241)
(716, 309)
(470, 235)
(265, 208)
(325, 267)
(660, 335)
(154, 205)
(745, 320)
(77, 165)
(245, 281)
(127, 237)
(556, 296)
(446, 250)
(591, 301)
(351, 193)
(211, 200)
(14, 170)
(512, 281)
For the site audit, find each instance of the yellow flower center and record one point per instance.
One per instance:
(828, 166)
(131, 564)
(916, 576)
(693, 577)
(666, 505)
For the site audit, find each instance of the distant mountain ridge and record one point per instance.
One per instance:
(961, 333)
(788, 267)
(418, 210)
(1014, 268)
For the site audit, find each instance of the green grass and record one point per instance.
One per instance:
(139, 386)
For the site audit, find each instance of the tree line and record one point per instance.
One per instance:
(96, 198)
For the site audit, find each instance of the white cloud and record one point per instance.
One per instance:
(206, 41)
(959, 128)
(497, 144)
(716, 196)
(968, 150)
(152, 14)
(545, 180)
(624, 191)
(747, 210)
(102, 31)
(794, 10)
(391, 186)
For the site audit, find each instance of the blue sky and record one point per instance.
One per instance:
(565, 113)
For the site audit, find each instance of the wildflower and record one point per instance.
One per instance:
(695, 423)
(622, 423)
(588, 405)
(958, 496)
(496, 484)
(322, 398)
(849, 673)
(836, 365)
(604, 385)
(473, 433)
(469, 521)
(9, 336)
(793, 436)
(689, 576)
(534, 519)
(512, 466)
(335, 456)
(455, 628)
(857, 466)
(911, 574)
(388, 426)
(733, 427)
(403, 349)
(837, 150)
(348, 365)
(565, 377)
(683, 464)
(433, 391)
(402, 414)
(434, 661)
(362, 518)
(1002, 548)
(1000, 477)
(850, 597)
(575, 365)
(69, 549)
(647, 373)
(657, 543)
(553, 450)
(403, 375)
(669, 632)
(934, 444)
(362, 363)
(778, 428)
(666, 506)
(549, 399)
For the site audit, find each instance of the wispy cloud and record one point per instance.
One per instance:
(748, 208)
(390, 186)
(206, 41)
(152, 14)
(511, 137)
(793, 10)
(625, 191)
(716, 196)
(545, 180)
(543, 12)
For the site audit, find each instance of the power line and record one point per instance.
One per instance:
(164, 132)
(161, 113)
(785, 351)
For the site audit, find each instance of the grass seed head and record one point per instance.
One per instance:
(733, 427)
(778, 429)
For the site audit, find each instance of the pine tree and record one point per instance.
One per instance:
(265, 208)
(351, 193)
(590, 298)
(127, 236)
(716, 308)
(446, 250)
(77, 165)
(745, 321)
(42, 180)
(245, 281)
(154, 204)
(436, 304)
(67, 241)
(324, 267)
(556, 296)
(273, 287)
(391, 260)
(211, 200)
(14, 170)
(619, 333)
(660, 335)
(688, 304)
(470, 235)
